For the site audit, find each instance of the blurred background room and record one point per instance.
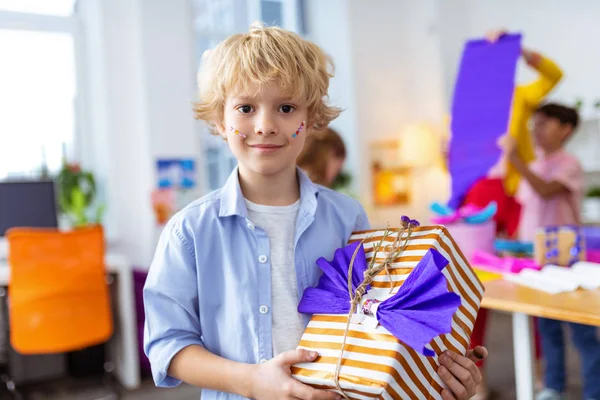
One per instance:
(97, 138)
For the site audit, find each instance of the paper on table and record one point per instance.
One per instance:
(586, 267)
(555, 279)
(535, 280)
(579, 277)
(480, 110)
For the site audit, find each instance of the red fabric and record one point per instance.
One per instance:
(481, 194)
(478, 335)
(487, 190)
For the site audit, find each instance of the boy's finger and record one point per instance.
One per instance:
(305, 392)
(461, 367)
(456, 388)
(477, 354)
(297, 356)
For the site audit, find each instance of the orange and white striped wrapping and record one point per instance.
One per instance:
(375, 364)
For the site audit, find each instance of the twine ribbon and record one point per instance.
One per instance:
(373, 270)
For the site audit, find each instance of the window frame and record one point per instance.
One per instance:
(42, 23)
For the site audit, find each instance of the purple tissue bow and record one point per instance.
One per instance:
(421, 310)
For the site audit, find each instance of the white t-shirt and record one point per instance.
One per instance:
(279, 223)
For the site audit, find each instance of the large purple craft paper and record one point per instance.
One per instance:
(480, 110)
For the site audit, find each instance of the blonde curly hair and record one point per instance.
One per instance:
(261, 56)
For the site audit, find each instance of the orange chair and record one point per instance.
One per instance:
(58, 297)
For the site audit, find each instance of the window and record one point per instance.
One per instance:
(38, 81)
(215, 20)
(271, 12)
(44, 7)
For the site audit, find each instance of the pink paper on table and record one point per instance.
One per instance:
(492, 263)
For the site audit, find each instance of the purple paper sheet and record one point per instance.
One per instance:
(480, 110)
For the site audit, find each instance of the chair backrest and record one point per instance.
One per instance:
(58, 297)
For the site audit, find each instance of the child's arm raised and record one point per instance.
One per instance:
(549, 73)
(549, 76)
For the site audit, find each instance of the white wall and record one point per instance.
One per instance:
(395, 65)
(566, 31)
(398, 81)
(403, 55)
(328, 25)
(170, 77)
(140, 62)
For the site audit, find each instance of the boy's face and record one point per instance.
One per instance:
(269, 119)
(548, 132)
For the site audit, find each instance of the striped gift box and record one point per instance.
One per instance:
(375, 364)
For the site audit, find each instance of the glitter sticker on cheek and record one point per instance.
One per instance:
(299, 130)
(238, 133)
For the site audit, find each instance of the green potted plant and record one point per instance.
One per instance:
(343, 184)
(77, 196)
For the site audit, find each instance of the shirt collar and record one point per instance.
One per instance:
(232, 200)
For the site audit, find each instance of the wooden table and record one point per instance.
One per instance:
(580, 306)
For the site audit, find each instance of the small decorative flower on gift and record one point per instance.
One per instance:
(406, 222)
(366, 308)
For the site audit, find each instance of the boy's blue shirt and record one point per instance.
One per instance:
(210, 281)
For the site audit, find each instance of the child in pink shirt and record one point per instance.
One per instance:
(552, 189)
(550, 194)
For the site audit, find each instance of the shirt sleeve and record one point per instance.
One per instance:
(171, 302)
(362, 221)
(550, 75)
(570, 175)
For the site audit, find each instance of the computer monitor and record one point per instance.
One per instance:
(27, 204)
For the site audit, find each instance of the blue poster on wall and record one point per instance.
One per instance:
(176, 173)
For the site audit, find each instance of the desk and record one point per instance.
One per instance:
(123, 346)
(580, 306)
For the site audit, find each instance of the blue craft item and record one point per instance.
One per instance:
(487, 214)
(441, 209)
(513, 246)
(551, 242)
(577, 248)
(469, 214)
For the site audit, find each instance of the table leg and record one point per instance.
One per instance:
(523, 353)
(124, 344)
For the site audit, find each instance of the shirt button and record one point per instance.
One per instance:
(263, 360)
(263, 309)
(250, 225)
(262, 259)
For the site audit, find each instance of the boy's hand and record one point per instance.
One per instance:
(460, 373)
(508, 144)
(273, 379)
(532, 58)
(494, 35)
